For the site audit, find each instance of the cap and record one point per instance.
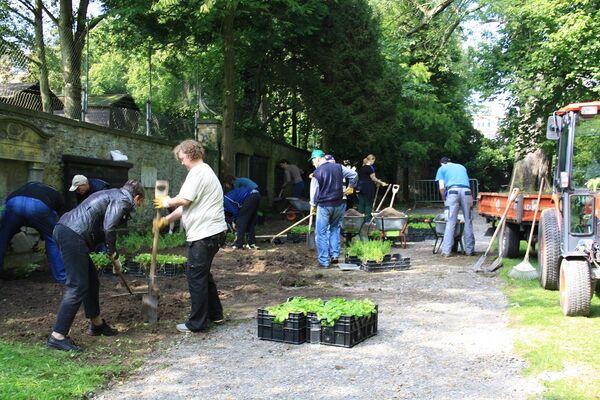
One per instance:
(329, 158)
(444, 160)
(78, 180)
(316, 153)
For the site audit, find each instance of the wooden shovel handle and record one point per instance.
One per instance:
(290, 227)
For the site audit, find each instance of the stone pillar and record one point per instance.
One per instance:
(35, 172)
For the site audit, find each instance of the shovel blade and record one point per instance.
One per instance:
(497, 264)
(477, 267)
(150, 308)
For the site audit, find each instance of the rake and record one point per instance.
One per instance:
(524, 270)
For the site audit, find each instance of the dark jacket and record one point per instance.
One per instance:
(97, 218)
(46, 194)
(331, 180)
(96, 185)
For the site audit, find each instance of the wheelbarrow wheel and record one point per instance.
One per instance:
(291, 216)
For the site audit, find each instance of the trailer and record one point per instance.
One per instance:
(519, 218)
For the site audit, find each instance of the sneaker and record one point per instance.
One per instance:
(183, 328)
(323, 266)
(335, 260)
(446, 255)
(217, 321)
(65, 345)
(104, 330)
(234, 247)
(251, 247)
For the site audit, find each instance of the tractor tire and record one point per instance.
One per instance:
(511, 240)
(575, 288)
(548, 250)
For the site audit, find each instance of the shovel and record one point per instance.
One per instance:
(310, 238)
(395, 189)
(375, 198)
(383, 198)
(289, 228)
(117, 268)
(498, 262)
(150, 300)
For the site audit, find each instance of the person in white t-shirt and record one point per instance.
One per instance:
(200, 208)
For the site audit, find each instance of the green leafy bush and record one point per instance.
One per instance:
(420, 217)
(135, 241)
(327, 311)
(230, 237)
(373, 250)
(419, 225)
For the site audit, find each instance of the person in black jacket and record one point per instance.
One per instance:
(38, 206)
(77, 233)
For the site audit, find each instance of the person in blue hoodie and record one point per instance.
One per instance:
(242, 204)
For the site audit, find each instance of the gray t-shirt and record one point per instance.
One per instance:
(293, 174)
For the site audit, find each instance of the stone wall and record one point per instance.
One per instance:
(32, 144)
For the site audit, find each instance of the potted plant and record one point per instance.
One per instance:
(297, 234)
(103, 264)
(167, 265)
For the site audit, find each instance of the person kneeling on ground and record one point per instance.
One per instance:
(77, 233)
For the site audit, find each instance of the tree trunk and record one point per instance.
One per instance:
(227, 166)
(295, 119)
(71, 46)
(40, 52)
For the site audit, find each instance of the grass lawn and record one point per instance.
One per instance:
(35, 372)
(564, 352)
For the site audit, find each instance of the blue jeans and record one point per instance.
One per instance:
(26, 211)
(298, 189)
(459, 198)
(328, 227)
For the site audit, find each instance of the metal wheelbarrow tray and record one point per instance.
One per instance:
(390, 223)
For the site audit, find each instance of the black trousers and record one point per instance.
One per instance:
(246, 220)
(206, 305)
(82, 284)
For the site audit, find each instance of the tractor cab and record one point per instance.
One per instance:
(568, 237)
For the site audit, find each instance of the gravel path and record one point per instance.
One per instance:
(442, 334)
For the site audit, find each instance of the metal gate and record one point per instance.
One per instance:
(427, 191)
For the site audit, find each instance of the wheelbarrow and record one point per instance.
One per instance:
(438, 227)
(296, 209)
(351, 226)
(392, 227)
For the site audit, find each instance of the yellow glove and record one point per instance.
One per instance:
(349, 190)
(161, 202)
(384, 184)
(39, 247)
(313, 210)
(159, 223)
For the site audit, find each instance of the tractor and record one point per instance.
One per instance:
(568, 233)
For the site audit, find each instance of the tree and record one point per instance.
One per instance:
(546, 56)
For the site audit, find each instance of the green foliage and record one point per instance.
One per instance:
(33, 372)
(230, 237)
(492, 165)
(300, 229)
(327, 311)
(415, 217)
(419, 225)
(145, 259)
(101, 260)
(135, 241)
(545, 56)
(370, 250)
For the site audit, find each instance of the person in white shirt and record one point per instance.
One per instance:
(200, 208)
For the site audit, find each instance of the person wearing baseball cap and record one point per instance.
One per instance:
(83, 186)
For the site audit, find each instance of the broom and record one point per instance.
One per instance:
(524, 270)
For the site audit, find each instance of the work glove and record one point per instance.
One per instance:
(313, 210)
(39, 247)
(159, 223)
(161, 202)
(310, 176)
(349, 190)
(384, 184)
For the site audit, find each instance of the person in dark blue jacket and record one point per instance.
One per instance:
(244, 183)
(242, 203)
(38, 206)
(327, 202)
(84, 187)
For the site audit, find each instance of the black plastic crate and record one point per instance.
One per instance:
(349, 331)
(292, 330)
(395, 263)
(295, 237)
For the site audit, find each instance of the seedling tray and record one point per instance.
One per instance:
(349, 331)
(395, 263)
(292, 330)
